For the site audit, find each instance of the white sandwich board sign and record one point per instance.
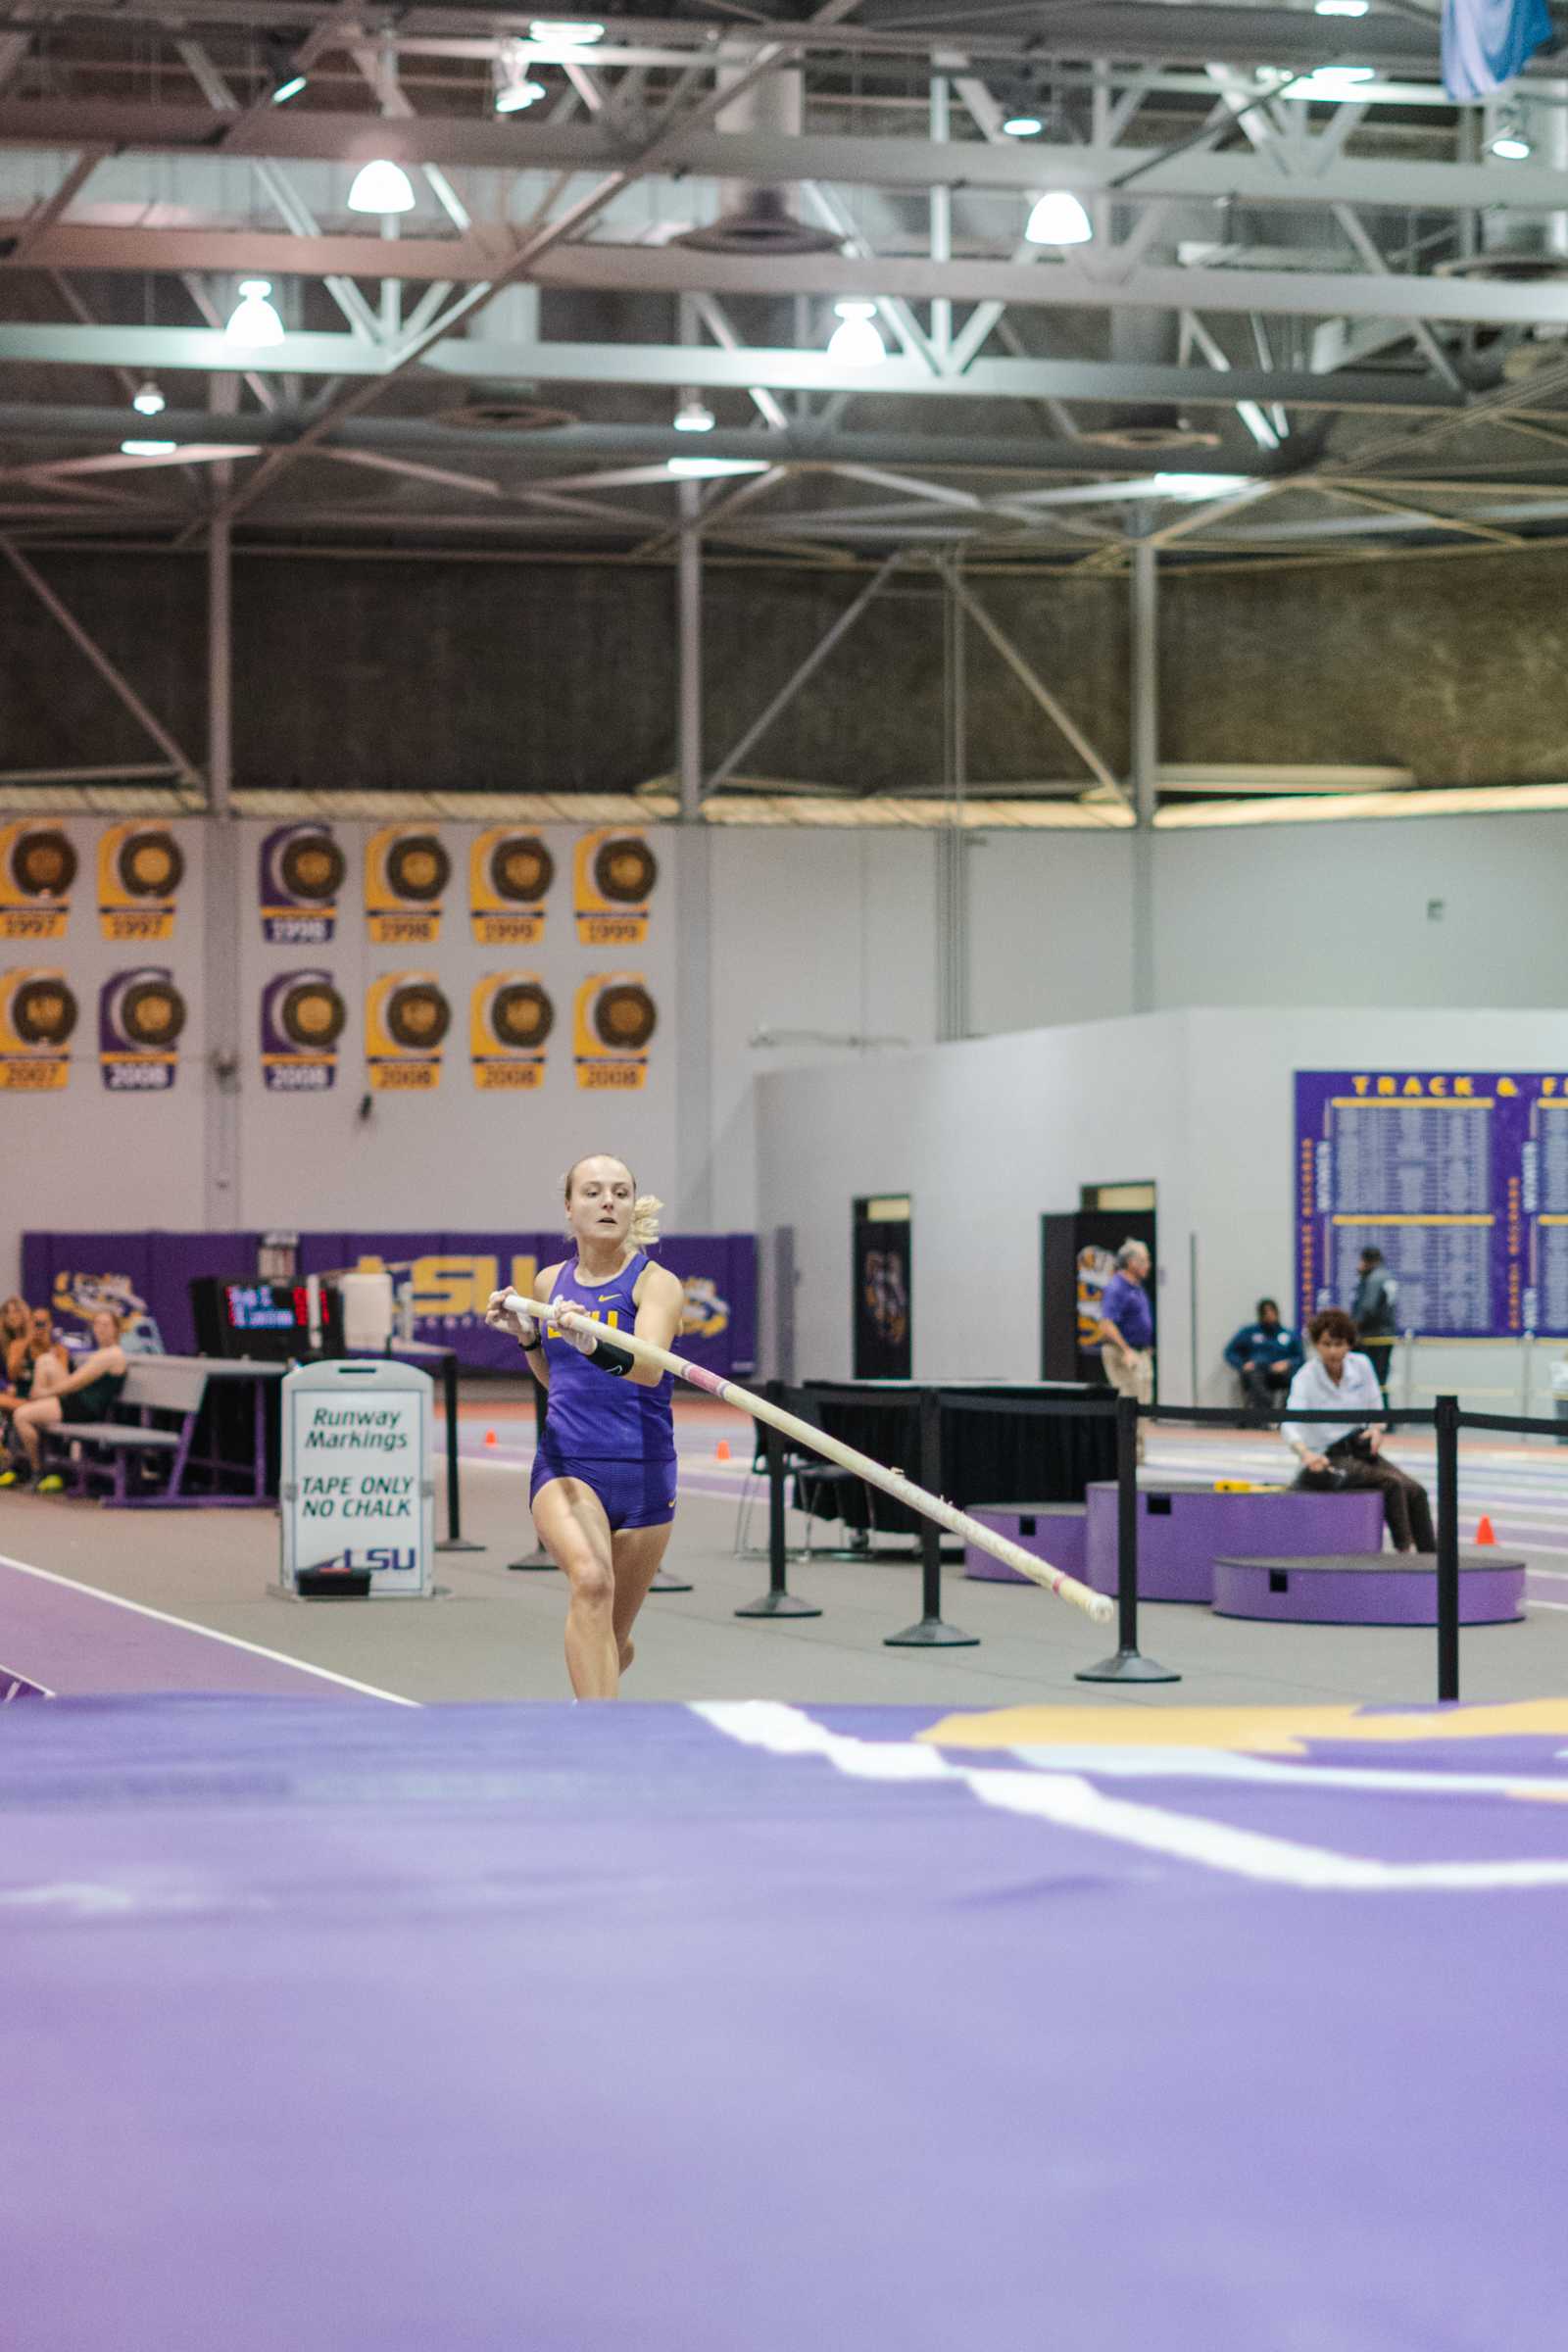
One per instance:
(357, 1493)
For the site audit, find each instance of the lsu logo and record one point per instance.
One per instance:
(406, 871)
(37, 867)
(38, 1017)
(303, 1017)
(613, 879)
(406, 1018)
(302, 873)
(140, 868)
(141, 1017)
(509, 881)
(615, 1018)
(510, 1019)
(704, 1313)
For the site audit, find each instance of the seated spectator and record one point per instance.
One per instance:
(13, 1325)
(1334, 1377)
(39, 1345)
(89, 1393)
(1267, 1355)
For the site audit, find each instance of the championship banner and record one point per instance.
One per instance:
(303, 1017)
(302, 873)
(613, 879)
(405, 870)
(509, 880)
(140, 868)
(509, 1022)
(615, 1016)
(37, 1015)
(140, 1017)
(406, 1018)
(37, 867)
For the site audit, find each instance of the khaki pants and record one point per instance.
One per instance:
(1135, 1379)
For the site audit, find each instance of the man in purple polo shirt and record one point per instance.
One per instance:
(1127, 1329)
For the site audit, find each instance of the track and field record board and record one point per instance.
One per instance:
(1459, 1177)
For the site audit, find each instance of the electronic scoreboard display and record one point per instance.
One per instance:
(270, 1319)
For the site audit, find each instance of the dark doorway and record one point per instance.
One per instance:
(880, 1270)
(1077, 1257)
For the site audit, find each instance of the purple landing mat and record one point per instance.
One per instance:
(74, 1642)
(1181, 1529)
(571, 2029)
(1054, 1531)
(1389, 1591)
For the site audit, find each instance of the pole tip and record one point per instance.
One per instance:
(1103, 1609)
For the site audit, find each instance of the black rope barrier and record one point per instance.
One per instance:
(778, 1601)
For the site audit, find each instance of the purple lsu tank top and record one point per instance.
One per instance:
(590, 1414)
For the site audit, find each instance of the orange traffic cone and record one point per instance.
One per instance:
(722, 1450)
(1484, 1534)
(489, 1437)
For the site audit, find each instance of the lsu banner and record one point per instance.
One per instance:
(140, 868)
(141, 1015)
(406, 1018)
(510, 1019)
(509, 880)
(406, 871)
(37, 1015)
(614, 875)
(303, 1017)
(37, 867)
(615, 1016)
(302, 874)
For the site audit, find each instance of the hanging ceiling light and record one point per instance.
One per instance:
(697, 470)
(254, 320)
(1341, 7)
(693, 416)
(515, 87)
(855, 342)
(147, 449)
(147, 400)
(1057, 218)
(1023, 126)
(283, 69)
(381, 187)
(1508, 142)
(1200, 485)
(567, 32)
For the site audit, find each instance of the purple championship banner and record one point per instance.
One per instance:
(1459, 1177)
(149, 1274)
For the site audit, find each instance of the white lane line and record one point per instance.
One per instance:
(187, 1625)
(1072, 1802)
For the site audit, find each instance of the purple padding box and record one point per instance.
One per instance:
(1182, 1531)
(1052, 1530)
(1396, 1589)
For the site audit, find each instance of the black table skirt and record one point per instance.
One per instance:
(989, 1457)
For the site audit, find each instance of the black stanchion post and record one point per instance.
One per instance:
(1447, 1435)
(453, 1539)
(778, 1601)
(931, 1633)
(1128, 1665)
(538, 1558)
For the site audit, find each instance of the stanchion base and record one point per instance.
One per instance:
(779, 1604)
(459, 1544)
(1127, 1666)
(535, 1559)
(931, 1634)
(665, 1582)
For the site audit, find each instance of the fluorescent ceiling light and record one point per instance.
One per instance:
(693, 416)
(1023, 126)
(289, 87)
(1057, 218)
(1200, 485)
(381, 187)
(1511, 146)
(1328, 82)
(255, 322)
(147, 400)
(694, 469)
(512, 97)
(147, 449)
(567, 32)
(855, 342)
(1341, 7)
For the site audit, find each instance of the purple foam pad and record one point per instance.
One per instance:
(1400, 1588)
(1054, 1531)
(1183, 1530)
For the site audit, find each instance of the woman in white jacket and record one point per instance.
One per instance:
(1334, 1377)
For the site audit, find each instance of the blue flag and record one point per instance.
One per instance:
(1487, 42)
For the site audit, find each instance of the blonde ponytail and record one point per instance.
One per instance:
(645, 1221)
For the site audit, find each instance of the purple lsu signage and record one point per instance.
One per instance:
(149, 1274)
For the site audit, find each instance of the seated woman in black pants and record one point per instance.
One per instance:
(1333, 1379)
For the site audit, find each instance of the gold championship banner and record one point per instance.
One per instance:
(37, 1015)
(509, 880)
(37, 867)
(614, 876)
(510, 1019)
(615, 1018)
(405, 870)
(406, 1018)
(140, 868)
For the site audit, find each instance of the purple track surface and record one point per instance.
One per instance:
(582, 2029)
